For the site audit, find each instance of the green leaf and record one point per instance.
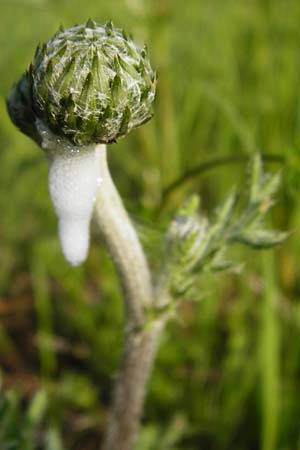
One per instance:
(261, 238)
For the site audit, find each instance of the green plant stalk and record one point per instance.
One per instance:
(195, 172)
(140, 341)
(270, 351)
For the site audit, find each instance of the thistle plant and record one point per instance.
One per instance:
(87, 87)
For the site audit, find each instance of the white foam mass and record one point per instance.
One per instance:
(74, 178)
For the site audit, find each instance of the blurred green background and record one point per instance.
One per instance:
(228, 375)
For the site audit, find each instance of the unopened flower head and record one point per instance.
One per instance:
(88, 84)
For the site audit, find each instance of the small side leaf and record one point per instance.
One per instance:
(261, 238)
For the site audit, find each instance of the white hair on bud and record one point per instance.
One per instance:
(74, 178)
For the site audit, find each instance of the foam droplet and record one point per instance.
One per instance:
(73, 184)
(74, 237)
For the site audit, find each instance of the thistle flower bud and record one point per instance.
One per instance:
(88, 84)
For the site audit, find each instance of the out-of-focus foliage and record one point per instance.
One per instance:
(21, 430)
(227, 376)
(194, 246)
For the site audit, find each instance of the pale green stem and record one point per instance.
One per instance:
(140, 341)
(270, 358)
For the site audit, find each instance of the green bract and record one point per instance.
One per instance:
(89, 84)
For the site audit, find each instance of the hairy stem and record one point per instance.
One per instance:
(140, 342)
(123, 245)
(137, 360)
